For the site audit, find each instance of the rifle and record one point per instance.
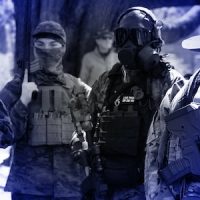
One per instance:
(90, 157)
(77, 118)
(94, 185)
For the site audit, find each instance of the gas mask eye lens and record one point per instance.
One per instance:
(133, 35)
(121, 36)
(140, 37)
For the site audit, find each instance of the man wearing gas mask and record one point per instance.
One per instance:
(42, 166)
(172, 159)
(122, 104)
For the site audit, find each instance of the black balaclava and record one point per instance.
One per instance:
(50, 60)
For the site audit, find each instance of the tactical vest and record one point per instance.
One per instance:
(50, 121)
(123, 131)
(183, 123)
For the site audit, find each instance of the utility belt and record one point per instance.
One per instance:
(184, 123)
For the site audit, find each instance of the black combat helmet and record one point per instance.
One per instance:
(146, 28)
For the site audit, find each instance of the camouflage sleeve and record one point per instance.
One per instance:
(87, 101)
(84, 110)
(6, 130)
(11, 92)
(19, 118)
(98, 94)
(16, 112)
(79, 105)
(175, 76)
(159, 86)
(155, 147)
(153, 186)
(13, 125)
(172, 78)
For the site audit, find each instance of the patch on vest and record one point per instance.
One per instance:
(128, 99)
(136, 93)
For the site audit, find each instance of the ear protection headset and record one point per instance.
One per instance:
(156, 35)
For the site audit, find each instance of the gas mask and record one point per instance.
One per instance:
(135, 48)
(148, 58)
(50, 60)
(127, 56)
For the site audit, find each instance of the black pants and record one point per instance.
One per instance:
(19, 196)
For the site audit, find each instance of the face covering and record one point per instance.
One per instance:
(50, 60)
(146, 58)
(127, 56)
(135, 49)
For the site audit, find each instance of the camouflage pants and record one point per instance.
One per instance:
(19, 196)
(192, 192)
(136, 193)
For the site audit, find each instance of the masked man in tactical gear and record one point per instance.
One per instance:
(172, 159)
(101, 59)
(122, 104)
(42, 166)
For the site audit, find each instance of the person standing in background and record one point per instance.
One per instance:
(101, 59)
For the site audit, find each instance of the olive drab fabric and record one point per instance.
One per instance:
(9, 95)
(156, 147)
(42, 163)
(50, 117)
(46, 170)
(52, 27)
(47, 66)
(6, 129)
